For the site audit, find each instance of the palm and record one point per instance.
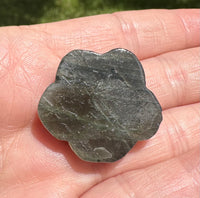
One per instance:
(34, 164)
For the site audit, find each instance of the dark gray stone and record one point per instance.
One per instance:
(99, 103)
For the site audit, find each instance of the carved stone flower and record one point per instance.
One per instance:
(99, 103)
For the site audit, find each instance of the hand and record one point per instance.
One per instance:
(35, 164)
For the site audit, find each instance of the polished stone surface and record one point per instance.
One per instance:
(99, 103)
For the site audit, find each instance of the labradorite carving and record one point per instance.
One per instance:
(100, 104)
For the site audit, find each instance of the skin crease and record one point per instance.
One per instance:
(34, 164)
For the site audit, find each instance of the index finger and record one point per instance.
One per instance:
(147, 33)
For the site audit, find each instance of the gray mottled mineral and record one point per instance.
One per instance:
(99, 103)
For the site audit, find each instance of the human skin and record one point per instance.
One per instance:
(35, 164)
